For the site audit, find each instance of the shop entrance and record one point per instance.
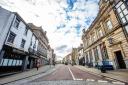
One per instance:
(120, 61)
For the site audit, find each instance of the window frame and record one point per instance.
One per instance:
(22, 43)
(16, 22)
(123, 16)
(26, 31)
(10, 37)
(108, 25)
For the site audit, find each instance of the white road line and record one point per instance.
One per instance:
(119, 83)
(90, 80)
(103, 81)
(71, 73)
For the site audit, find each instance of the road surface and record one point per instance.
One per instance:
(66, 75)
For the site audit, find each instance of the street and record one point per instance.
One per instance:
(68, 72)
(65, 75)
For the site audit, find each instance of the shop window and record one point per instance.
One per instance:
(104, 51)
(20, 63)
(17, 63)
(90, 55)
(14, 63)
(16, 23)
(1, 62)
(10, 62)
(122, 11)
(22, 43)
(96, 53)
(11, 37)
(5, 62)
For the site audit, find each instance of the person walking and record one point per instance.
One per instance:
(37, 64)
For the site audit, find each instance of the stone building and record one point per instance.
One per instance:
(74, 56)
(81, 58)
(42, 44)
(105, 42)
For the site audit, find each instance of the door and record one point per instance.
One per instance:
(120, 60)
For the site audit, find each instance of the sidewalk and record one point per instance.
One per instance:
(120, 75)
(25, 74)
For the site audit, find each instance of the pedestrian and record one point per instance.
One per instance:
(37, 64)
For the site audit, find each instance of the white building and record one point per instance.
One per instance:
(16, 40)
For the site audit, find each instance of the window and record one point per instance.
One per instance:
(5, 62)
(104, 51)
(14, 63)
(122, 11)
(93, 38)
(26, 31)
(22, 43)
(11, 37)
(109, 24)
(10, 62)
(96, 53)
(16, 23)
(126, 27)
(91, 57)
(100, 33)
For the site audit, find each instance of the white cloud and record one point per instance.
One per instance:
(51, 13)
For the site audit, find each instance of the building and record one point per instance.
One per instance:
(81, 58)
(19, 46)
(42, 44)
(50, 55)
(68, 59)
(74, 56)
(106, 40)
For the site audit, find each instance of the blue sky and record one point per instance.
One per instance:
(62, 19)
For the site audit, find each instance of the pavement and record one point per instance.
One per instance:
(119, 75)
(25, 74)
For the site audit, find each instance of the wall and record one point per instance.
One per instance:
(5, 21)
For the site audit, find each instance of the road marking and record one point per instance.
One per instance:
(90, 80)
(71, 73)
(120, 83)
(79, 79)
(102, 81)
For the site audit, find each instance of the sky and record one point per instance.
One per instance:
(63, 20)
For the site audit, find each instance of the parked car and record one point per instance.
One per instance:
(107, 65)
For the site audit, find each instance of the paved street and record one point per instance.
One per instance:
(68, 72)
(65, 75)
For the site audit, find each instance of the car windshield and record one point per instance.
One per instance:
(63, 42)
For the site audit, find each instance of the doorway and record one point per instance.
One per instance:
(120, 61)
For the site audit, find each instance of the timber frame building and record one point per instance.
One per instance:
(107, 37)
